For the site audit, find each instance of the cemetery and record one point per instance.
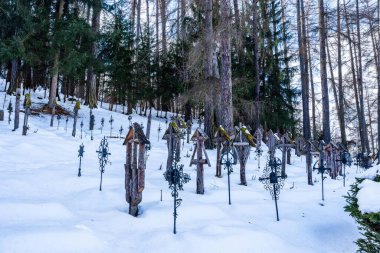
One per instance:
(250, 191)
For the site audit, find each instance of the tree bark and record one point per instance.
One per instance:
(54, 79)
(364, 135)
(163, 26)
(323, 74)
(91, 76)
(340, 80)
(302, 42)
(255, 56)
(225, 80)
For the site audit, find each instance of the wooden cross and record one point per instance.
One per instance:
(284, 146)
(199, 138)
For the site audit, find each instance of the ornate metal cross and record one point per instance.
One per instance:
(176, 179)
(345, 158)
(321, 169)
(10, 110)
(101, 125)
(81, 128)
(80, 155)
(92, 123)
(158, 131)
(67, 120)
(121, 131)
(103, 158)
(272, 179)
(229, 158)
(130, 120)
(111, 121)
(58, 120)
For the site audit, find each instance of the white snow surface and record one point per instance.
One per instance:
(46, 207)
(368, 196)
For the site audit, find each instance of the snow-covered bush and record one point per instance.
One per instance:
(364, 206)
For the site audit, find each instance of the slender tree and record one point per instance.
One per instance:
(323, 73)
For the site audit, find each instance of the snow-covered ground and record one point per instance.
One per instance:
(46, 207)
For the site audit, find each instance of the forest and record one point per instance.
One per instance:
(261, 62)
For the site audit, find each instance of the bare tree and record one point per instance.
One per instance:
(54, 78)
(323, 73)
(225, 78)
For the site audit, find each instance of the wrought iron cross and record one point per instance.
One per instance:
(273, 180)
(111, 121)
(10, 110)
(229, 158)
(259, 153)
(321, 169)
(67, 120)
(159, 130)
(176, 179)
(103, 158)
(58, 119)
(130, 120)
(102, 125)
(345, 158)
(81, 128)
(80, 155)
(121, 130)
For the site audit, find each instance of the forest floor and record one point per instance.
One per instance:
(46, 207)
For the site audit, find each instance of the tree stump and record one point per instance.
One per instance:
(76, 109)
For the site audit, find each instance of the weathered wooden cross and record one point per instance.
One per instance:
(199, 138)
(284, 147)
(135, 166)
(243, 143)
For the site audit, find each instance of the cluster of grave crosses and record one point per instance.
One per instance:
(231, 149)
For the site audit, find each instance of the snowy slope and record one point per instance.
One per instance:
(45, 207)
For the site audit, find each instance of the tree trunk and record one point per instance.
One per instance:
(340, 80)
(91, 76)
(311, 86)
(256, 72)
(163, 26)
(302, 42)
(54, 79)
(238, 36)
(353, 71)
(364, 135)
(323, 73)
(225, 80)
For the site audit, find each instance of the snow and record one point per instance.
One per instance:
(45, 207)
(371, 173)
(368, 196)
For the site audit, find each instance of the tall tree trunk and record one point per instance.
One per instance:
(138, 28)
(302, 42)
(353, 71)
(333, 84)
(340, 80)
(225, 80)
(311, 85)
(163, 27)
(238, 37)
(91, 76)
(255, 57)
(364, 135)
(323, 73)
(54, 78)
